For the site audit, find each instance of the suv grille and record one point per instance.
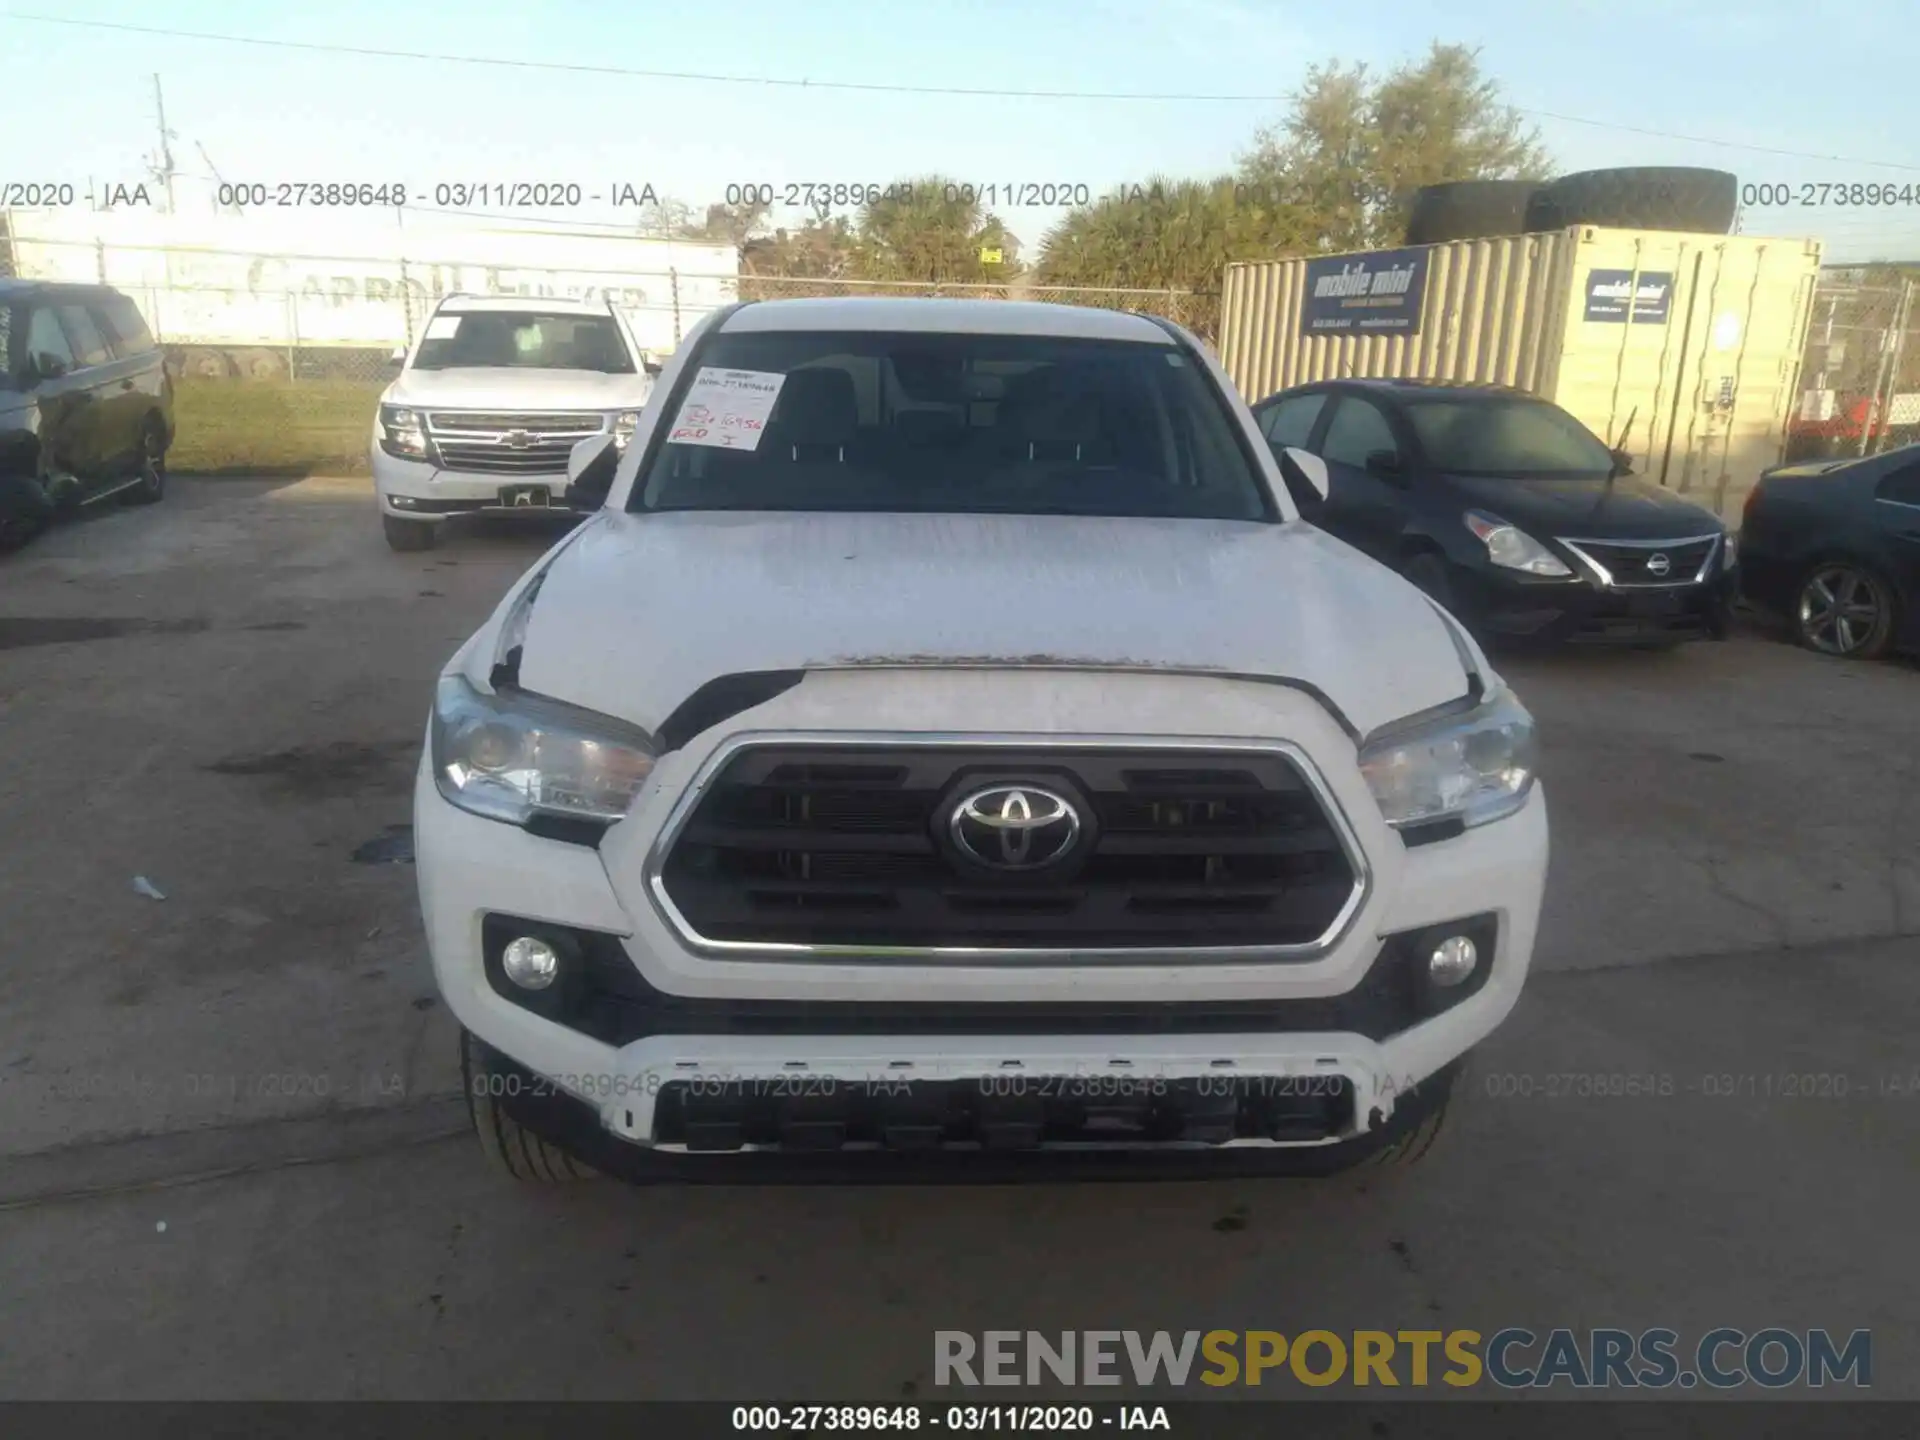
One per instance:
(812, 845)
(1627, 564)
(478, 442)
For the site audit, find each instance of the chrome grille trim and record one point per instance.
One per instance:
(493, 423)
(516, 443)
(1580, 546)
(653, 871)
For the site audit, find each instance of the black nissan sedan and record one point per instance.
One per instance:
(1508, 511)
(1834, 546)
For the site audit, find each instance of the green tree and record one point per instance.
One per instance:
(933, 230)
(1353, 149)
(1165, 233)
(737, 226)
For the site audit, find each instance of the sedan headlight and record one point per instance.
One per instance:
(1474, 767)
(402, 433)
(624, 424)
(1513, 549)
(513, 757)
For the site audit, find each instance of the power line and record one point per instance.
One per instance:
(874, 87)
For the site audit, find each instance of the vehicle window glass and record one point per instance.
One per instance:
(10, 362)
(1357, 430)
(89, 346)
(1902, 486)
(1291, 421)
(982, 424)
(123, 327)
(1507, 437)
(524, 340)
(47, 345)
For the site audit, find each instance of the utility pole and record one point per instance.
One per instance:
(163, 171)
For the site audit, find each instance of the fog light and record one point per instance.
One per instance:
(532, 964)
(402, 502)
(1451, 962)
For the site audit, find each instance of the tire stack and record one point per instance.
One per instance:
(1640, 197)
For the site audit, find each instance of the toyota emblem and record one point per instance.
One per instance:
(1658, 563)
(1014, 827)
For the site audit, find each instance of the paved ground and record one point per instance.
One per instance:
(229, 1159)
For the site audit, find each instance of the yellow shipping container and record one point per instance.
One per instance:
(1682, 349)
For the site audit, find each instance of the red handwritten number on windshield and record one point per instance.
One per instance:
(687, 433)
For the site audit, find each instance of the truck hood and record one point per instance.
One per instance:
(511, 389)
(642, 610)
(1598, 509)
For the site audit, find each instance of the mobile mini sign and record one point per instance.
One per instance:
(1378, 293)
(1609, 292)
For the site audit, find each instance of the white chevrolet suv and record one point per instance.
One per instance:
(493, 397)
(948, 741)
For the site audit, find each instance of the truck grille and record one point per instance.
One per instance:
(848, 846)
(1627, 564)
(501, 443)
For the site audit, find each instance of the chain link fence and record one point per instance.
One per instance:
(1860, 378)
(279, 360)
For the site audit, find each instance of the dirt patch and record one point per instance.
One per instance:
(322, 772)
(20, 632)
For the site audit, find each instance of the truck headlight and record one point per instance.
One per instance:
(623, 425)
(1514, 549)
(1473, 767)
(402, 433)
(513, 757)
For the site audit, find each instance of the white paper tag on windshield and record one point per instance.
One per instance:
(726, 408)
(443, 327)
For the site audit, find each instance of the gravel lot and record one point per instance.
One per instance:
(233, 1162)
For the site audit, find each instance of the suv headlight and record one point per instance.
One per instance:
(513, 757)
(623, 424)
(1514, 549)
(1474, 767)
(402, 432)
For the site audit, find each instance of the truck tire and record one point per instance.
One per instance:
(1639, 197)
(1469, 210)
(1412, 1147)
(262, 365)
(407, 536)
(206, 365)
(509, 1146)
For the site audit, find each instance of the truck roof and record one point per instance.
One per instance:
(545, 304)
(942, 316)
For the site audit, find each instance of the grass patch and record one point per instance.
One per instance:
(273, 427)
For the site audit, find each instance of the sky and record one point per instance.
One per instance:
(1624, 82)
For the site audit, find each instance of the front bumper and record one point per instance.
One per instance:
(1081, 1030)
(1582, 611)
(421, 491)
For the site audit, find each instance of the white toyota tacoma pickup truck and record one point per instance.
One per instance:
(946, 740)
(490, 402)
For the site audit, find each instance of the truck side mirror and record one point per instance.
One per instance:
(591, 466)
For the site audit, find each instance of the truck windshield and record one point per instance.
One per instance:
(983, 424)
(524, 340)
(1516, 439)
